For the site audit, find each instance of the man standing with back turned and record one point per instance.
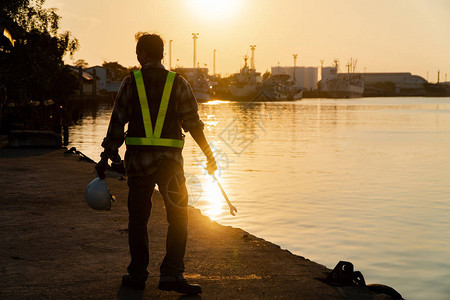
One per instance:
(156, 104)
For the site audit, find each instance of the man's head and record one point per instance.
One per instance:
(149, 47)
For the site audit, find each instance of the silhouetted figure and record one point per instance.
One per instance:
(156, 104)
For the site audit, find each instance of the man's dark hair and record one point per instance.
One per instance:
(151, 44)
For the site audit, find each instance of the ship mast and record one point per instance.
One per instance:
(295, 63)
(349, 65)
(252, 60)
(354, 65)
(214, 62)
(195, 37)
(336, 65)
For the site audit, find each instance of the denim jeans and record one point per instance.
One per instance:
(169, 176)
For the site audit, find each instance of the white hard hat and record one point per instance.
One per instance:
(97, 194)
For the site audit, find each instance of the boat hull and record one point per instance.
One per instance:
(202, 96)
(344, 89)
(244, 93)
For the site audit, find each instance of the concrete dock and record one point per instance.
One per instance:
(54, 246)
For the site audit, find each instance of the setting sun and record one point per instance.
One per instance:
(214, 9)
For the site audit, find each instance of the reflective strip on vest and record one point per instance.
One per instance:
(153, 138)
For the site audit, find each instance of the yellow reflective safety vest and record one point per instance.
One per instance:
(152, 136)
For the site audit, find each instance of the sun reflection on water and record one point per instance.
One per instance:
(215, 102)
(215, 204)
(211, 123)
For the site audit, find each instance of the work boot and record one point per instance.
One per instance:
(178, 284)
(134, 284)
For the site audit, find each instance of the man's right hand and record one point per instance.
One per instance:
(199, 137)
(211, 165)
(102, 166)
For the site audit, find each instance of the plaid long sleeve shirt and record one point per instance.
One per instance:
(141, 162)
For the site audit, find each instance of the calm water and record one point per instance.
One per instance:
(365, 180)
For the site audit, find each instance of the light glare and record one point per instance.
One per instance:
(214, 9)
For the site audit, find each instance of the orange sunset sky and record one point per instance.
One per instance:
(384, 35)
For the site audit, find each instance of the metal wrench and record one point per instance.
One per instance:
(232, 208)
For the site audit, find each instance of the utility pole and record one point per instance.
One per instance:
(214, 63)
(80, 78)
(170, 54)
(94, 84)
(438, 75)
(252, 61)
(427, 76)
(195, 37)
(321, 68)
(295, 63)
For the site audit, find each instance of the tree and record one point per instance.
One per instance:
(118, 72)
(133, 68)
(34, 67)
(81, 63)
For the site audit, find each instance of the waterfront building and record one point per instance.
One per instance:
(97, 80)
(405, 84)
(105, 82)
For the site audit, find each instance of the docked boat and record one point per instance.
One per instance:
(280, 87)
(202, 90)
(341, 85)
(247, 83)
(199, 81)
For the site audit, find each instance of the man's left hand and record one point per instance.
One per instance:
(102, 166)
